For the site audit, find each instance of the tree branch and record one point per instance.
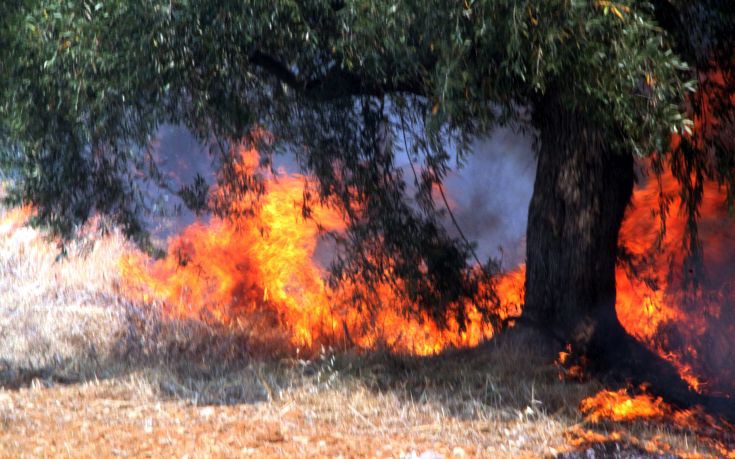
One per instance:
(336, 83)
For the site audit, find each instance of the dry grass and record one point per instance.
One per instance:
(84, 373)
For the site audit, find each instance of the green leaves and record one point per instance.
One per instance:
(119, 68)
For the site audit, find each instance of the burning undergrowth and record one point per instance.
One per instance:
(257, 271)
(608, 410)
(257, 275)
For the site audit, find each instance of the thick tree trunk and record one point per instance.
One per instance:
(581, 191)
(582, 188)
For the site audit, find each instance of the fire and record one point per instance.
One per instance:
(619, 406)
(689, 327)
(14, 219)
(626, 405)
(258, 272)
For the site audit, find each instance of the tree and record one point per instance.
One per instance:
(349, 85)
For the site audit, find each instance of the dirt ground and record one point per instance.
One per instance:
(319, 410)
(100, 419)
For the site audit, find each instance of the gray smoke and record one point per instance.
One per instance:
(490, 193)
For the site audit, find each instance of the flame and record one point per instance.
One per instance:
(258, 271)
(688, 327)
(624, 406)
(620, 406)
(689, 324)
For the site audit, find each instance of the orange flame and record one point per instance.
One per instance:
(687, 327)
(619, 406)
(14, 219)
(259, 272)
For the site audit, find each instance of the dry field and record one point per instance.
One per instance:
(84, 373)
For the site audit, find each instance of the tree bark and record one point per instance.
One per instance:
(581, 191)
(580, 194)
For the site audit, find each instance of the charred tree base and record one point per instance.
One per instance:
(619, 360)
(628, 361)
(583, 186)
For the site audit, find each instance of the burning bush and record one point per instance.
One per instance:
(257, 270)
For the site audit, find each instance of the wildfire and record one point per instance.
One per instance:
(690, 327)
(259, 272)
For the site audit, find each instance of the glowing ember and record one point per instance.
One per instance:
(258, 272)
(567, 369)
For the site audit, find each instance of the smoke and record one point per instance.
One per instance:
(489, 193)
(179, 158)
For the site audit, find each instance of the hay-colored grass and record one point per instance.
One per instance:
(85, 373)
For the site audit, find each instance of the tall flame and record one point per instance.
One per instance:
(259, 272)
(692, 328)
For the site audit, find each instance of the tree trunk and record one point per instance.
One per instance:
(580, 194)
(581, 191)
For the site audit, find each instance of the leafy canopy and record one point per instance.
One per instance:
(348, 85)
